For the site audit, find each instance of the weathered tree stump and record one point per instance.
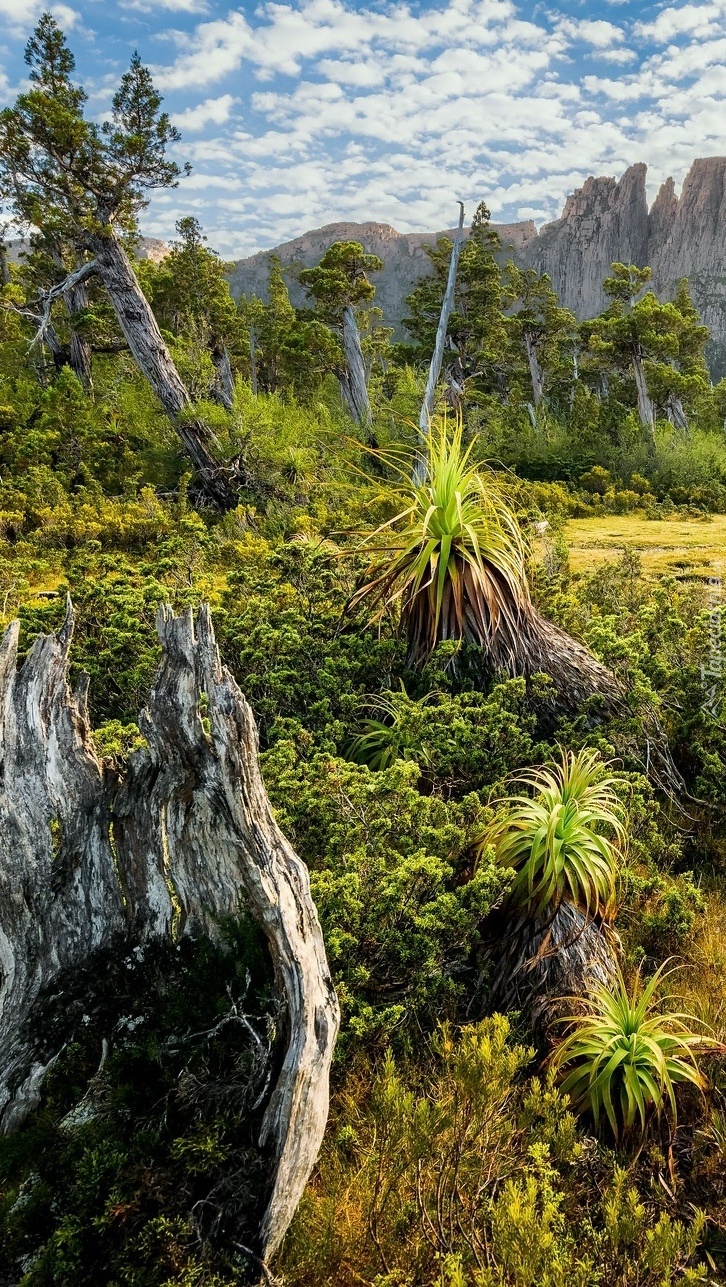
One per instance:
(173, 847)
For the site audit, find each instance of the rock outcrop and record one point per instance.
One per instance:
(605, 220)
(687, 238)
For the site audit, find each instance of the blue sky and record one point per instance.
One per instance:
(297, 114)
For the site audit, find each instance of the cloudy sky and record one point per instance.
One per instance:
(297, 114)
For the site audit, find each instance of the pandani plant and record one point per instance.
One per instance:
(452, 561)
(564, 840)
(626, 1053)
(452, 556)
(390, 731)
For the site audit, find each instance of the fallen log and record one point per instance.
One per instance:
(176, 844)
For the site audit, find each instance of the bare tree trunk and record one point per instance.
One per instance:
(645, 405)
(75, 298)
(535, 371)
(81, 351)
(142, 334)
(253, 361)
(357, 385)
(223, 386)
(59, 896)
(192, 829)
(676, 413)
(421, 464)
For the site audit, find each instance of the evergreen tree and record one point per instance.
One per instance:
(71, 179)
(191, 297)
(339, 285)
(288, 351)
(660, 346)
(477, 336)
(539, 329)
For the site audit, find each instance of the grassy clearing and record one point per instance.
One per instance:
(678, 547)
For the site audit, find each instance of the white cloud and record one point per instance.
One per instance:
(21, 15)
(213, 111)
(173, 6)
(694, 20)
(598, 33)
(297, 113)
(622, 56)
(215, 50)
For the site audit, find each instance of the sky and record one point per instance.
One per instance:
(294, 115)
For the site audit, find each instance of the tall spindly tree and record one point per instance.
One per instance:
(85, 183)
(339, 284)
(476, 334)
(191, 297)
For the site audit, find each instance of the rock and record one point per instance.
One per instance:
(602, 221)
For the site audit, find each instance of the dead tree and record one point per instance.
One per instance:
(646, 410)
(87, 859)
(535, 370)
(222, 389)
(76, 300)
(420, 471)
(354, 382)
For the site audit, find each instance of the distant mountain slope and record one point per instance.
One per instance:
(604, 220)
(404, 259)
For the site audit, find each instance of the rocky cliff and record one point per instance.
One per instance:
(605, 220)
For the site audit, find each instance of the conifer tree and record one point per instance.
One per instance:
(539, 328)
(64, 175)
(339, 284)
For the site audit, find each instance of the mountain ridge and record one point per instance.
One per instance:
(604, 220)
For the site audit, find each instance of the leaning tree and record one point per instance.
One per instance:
(82, 186)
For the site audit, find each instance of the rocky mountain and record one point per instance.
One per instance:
(605, 220)
(404, 258)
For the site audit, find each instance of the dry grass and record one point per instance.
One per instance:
(685, 548)
(702, 984)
